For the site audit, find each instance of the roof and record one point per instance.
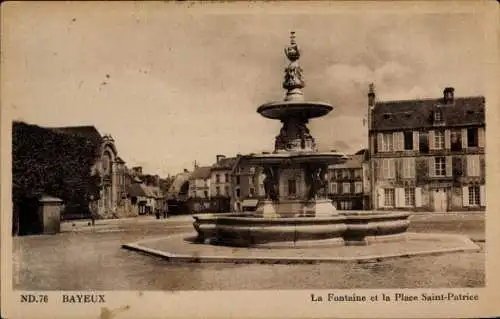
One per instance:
(136, 190)
(179, 181)
(202, 172)
(225, 163)
(419, 113)
(88, 131)
(354, 161)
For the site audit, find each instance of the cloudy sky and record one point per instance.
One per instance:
(174, 84)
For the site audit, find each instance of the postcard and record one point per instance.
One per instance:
(250, 159)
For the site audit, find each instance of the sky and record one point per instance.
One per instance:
(177, 83)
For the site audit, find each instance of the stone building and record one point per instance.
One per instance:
(110, 167)
(199, 189)
(427, 154)
(247, 187)
(349, 183)
(220, 182)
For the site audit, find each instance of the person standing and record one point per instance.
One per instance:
(92, 210)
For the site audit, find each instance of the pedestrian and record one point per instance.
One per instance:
(157, 212)
(165, 211)
(92, 210)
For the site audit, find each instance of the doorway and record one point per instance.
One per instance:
(440, 200)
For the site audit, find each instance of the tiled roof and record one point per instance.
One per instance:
(225, 163)
(136, 190)
(202, 172)
(390, 115)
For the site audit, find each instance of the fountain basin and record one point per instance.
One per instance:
(294, 109)
(250, 230)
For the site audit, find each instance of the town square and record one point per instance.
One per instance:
(238, 151)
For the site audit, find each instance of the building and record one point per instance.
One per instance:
(109, 166)
(247, 185)
(178, 193)
(349, 186)
(427, 154)
(199, 183)
(221, 187)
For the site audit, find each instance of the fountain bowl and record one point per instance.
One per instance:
(294, 109)
(252, 230)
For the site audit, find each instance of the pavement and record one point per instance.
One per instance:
(180, 248)
(94, 260)
(100, 224)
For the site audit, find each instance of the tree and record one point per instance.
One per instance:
(48, 162)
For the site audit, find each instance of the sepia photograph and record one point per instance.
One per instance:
(332, 149)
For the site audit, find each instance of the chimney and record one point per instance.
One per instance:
(219, 158)
(371, 95)
(448, 95)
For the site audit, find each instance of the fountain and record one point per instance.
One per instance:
(296, 210)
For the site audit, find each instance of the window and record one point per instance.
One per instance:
(472, 137)
(438, 140)
(345, 205)
(205, 193)
(226, 176)
(408, 140)
(357, 173)
(389, 197)
(346, 174)
(238, 192)
(473, 165)
(217, 178)
(387, 142)
(338, 174)
(409, 196)
(409, 167)
(474, 199)
(226, 190)
(358, 187)
(333, 188)
(346, 188)
(424, 142)
(387, 168)
(252, 170)
(438, 116)
(456, 140)
(252, 192)
(440, 166)
(292, 187)
(238, 180)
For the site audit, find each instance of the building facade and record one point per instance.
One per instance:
(349, 183)
(220, 182)
(199, 190)
(427, 154)
(248, 187)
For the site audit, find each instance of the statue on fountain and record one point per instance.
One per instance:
(270, 184)
(316, 182)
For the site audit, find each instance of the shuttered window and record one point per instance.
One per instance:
(408, 167)
(473, 166)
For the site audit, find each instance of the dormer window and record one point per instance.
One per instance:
(438, 116)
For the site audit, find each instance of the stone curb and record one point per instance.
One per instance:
(136, 246)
